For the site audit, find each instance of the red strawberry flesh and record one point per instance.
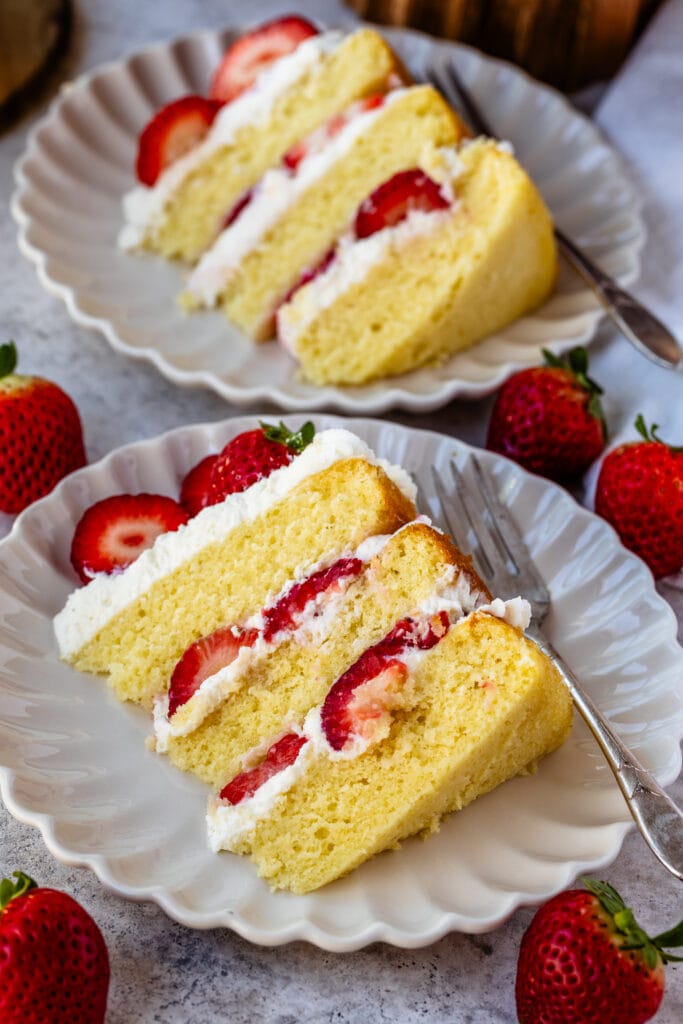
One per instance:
(113, 532)
(289, 610)
(236, 210)
(393, 201)
(204, 658)
(195, 490)
(249, 55)
(173, 131)
(245, 460)
(280, 756)
(339, 717)
(310, 275)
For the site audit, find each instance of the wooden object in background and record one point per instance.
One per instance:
(34, 36)
(567, 42)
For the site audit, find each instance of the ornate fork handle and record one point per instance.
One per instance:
(642, 328)
(657, 817)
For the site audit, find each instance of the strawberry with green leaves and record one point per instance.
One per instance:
(640, 492)
(41, 439)
(54, 967)
(549, 418)
(256, 454)
(584, 959)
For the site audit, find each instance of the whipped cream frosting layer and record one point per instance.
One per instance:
(143, 205)
(91, 607)
(227, 823)
(277, 191)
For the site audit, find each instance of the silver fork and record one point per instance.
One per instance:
(472, 511)
(638, 325)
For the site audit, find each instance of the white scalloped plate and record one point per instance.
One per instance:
(74, 761)
(79, 162)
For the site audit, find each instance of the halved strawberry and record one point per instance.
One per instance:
(173, 131)
(361, 701)
(113, 532)
(256, 454)
(280, 755)
(317, 140)
(251, 53)
(288, 611)
(204, 658)
(195, 490)
(391, 202)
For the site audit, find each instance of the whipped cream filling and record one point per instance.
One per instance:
(91, 607)
(277, 191)
(143, 206)
(228, 823)
(315, 624)
(353, 261)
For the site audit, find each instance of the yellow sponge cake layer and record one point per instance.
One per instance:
(140, 622)
(356, 66)
(280, 688)
(432, 285)
(320, 201)
(486, 705)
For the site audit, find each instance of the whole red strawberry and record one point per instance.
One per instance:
(640, 492)
(585, 960)
(256, 454)
(41, 439)
(53, 960)
(549, 418)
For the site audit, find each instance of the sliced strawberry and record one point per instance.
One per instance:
(395, 199)
(359, 704)
(256, 454)
(318, 139)
(236, 210)
(280, 755)
(288, 612)
(195, 490)
(113, 532)
(173, 131)
(204, 658)
(251, 53)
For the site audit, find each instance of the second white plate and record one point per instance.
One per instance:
(80, 159)
(73, 760)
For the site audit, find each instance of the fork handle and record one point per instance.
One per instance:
(659, 819)
(638, 325)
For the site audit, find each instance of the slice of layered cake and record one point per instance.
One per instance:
(437, 258)
(199, 155)
(448, 705)
(295, 214)
(321, 656)
(229, 561)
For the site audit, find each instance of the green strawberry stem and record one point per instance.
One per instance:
(576, 362)
(651, 433)
(9, 890)
(625, 923)
(8, 358)
(283, 435)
